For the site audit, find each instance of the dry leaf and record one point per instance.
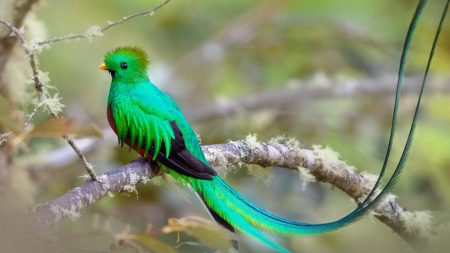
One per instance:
(59, 126)
(151, 243)
(207, 231)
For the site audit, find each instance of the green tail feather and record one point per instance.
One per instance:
(219, 200)
(401, 70)
(245, 216)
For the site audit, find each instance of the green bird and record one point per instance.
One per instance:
(150, 122)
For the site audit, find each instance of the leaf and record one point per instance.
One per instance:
(8, 125)
(151, 243)
(10, 118)
(207, 231)
(91, 130)
(60, 126)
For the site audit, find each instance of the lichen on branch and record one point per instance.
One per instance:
(321, 163)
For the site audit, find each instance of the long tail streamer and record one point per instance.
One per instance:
(247, 217)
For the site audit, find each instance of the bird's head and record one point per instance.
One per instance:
(126, 63)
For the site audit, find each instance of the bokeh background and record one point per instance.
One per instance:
(209, 53)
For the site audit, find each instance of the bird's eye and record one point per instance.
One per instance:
(123, 65)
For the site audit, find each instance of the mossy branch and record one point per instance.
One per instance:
(322, 163)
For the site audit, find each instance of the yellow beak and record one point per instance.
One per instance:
(102, 66)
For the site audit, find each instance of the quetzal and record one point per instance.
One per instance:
(150, 122)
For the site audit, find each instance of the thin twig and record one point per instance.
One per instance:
(103, 29)
(4, 137)
(31, 57)
(32, 114)
(39, 86)
(87, 166)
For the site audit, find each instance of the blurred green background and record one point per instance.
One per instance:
(209, 52)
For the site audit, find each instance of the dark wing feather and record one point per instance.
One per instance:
(182, 161)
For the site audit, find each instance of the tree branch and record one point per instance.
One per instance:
(307, 90)
(323, 164)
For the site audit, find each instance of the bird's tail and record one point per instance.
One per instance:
(247, 217)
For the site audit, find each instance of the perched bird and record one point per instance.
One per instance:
(150, 122)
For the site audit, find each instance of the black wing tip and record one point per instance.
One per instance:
(180, 166)
(183, 161)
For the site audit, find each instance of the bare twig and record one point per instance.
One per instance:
(87, 166)
(318, 162)
(110, 25)
(64, 155)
